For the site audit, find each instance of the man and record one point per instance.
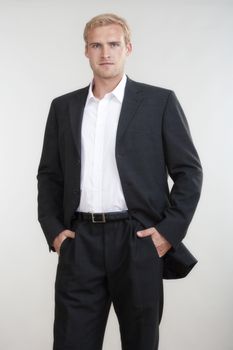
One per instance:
(104, 202)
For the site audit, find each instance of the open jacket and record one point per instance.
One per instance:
(153, 141)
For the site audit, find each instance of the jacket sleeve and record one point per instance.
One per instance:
(185, 170)
(50, 182)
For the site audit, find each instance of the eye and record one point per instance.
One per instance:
(114, 45)
(95, 46)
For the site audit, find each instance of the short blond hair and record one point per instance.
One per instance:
(107, 19)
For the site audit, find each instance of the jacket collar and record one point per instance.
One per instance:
(132, 99)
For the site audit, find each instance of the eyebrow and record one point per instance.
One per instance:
(109, 42)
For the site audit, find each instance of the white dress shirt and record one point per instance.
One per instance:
(101, 189)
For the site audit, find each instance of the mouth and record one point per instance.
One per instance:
(106, 64)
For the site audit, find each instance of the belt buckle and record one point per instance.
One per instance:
(98, 221)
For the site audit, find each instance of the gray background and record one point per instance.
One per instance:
(182, 45)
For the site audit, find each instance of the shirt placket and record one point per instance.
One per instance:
(98, 155)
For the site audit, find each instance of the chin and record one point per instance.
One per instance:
(108, 75)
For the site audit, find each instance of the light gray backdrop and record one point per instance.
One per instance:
(182, 45)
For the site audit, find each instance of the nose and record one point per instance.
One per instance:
(105, 52)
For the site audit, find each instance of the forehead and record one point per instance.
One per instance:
(111, 32)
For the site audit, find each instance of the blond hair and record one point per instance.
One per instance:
(107, 19)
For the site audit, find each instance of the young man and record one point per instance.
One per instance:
(104, 203)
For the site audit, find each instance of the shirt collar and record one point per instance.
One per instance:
(118, 92)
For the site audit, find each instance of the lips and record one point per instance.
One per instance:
(106, 63)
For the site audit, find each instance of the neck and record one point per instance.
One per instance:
(103, 86)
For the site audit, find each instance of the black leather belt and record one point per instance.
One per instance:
(99, 218)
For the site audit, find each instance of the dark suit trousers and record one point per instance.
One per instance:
(108, 263)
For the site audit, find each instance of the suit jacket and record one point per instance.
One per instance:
(152, 141)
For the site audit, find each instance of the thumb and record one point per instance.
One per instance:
(144, 233)
(70, 234)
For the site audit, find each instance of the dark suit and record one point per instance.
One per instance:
(108, 262)
(153, 140)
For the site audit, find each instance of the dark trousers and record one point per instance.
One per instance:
(108, 263)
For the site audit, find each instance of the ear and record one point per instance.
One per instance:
(128, 49)
(86, 51)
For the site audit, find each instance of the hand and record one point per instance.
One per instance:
(60, 238)
(161, 244)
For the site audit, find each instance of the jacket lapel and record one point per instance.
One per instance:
(76, 110)
(132, 100)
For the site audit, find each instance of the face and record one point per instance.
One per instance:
(107, 51)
